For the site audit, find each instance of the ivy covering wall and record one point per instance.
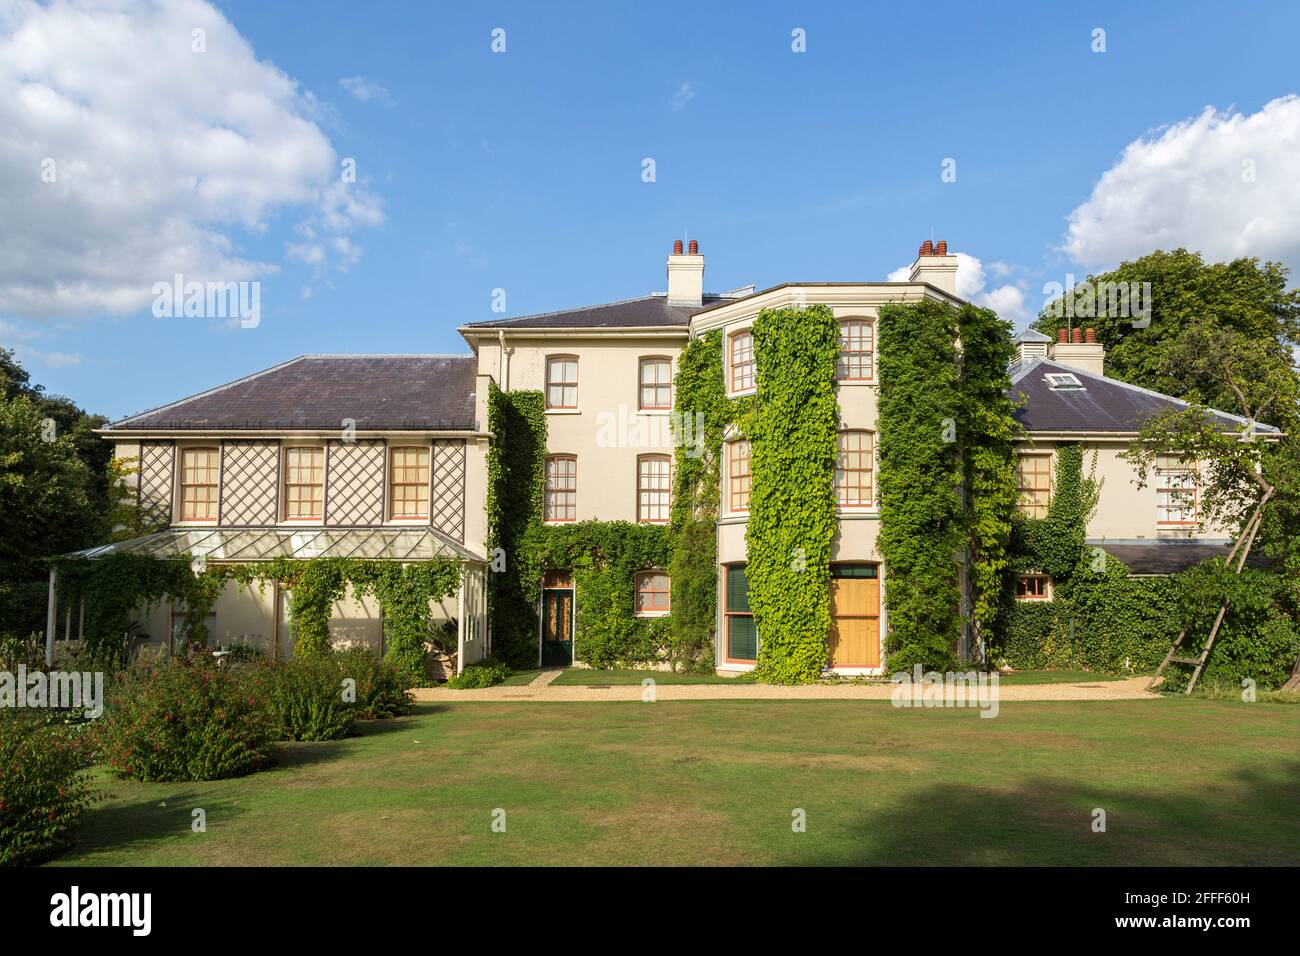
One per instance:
(921, 523)
(792, 514)
(702, 412)
(114, 587)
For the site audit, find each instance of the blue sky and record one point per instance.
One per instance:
(522, 170)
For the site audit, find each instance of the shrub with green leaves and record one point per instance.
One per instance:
(382, 690)
(44, 789)
(484, 674)
(307, 700)
(187, 719)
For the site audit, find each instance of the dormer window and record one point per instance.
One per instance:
(1062, 381)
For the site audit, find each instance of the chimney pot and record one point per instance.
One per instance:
(677, 247)
(941, 247)
(694, 247)
(927, 249)
(1076, 336)
(1063, 335)
(1090, 336)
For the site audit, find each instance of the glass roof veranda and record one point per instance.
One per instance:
(266, 544)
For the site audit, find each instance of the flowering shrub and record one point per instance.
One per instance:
(43, 787)
(307, 700)
(187, 719)
(382, 690)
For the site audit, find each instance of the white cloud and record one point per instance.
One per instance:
(366, 91)
(1008, 301)
(684, 93)
(1187, 185)
(160, 155)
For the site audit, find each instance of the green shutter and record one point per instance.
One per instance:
(744, 639)
(737, 589)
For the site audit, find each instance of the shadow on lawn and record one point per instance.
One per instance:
(1250, 822)
(116, 826)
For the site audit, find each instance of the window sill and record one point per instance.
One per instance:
(563, 411)
(651, 614)
(659, 412)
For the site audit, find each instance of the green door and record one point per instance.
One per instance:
(557, 627)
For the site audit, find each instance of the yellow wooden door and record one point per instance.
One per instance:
(855, 622)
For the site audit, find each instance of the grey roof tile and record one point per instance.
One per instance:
(651, 311)
(1170, 557)
(320, 391)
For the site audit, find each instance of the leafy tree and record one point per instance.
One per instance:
(1243, 296)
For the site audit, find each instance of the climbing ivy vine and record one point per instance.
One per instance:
(921, 518)
(792, 517)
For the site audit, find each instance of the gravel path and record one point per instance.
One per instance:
(1133, 688)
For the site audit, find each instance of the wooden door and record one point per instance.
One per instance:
(854, 639)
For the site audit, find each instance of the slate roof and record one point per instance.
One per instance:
(1102, 405)
(399, 392)
(651, 311)
(1170, 557)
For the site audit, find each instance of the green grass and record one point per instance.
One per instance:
(1055, 677)
(520, 677)
(586, 677)
(1183, 782)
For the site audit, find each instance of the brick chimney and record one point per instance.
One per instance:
(934, 265)
(1079, 349)
(686, 275)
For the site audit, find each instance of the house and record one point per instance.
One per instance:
(386, 456)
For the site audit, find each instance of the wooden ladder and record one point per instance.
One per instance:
(1239, 551)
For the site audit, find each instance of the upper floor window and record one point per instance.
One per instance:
(199, 470)
(562, 381)
(656, 380)
(1034, 480)
(738, 455)
(742, 635)
(854, 363)
(854, 485)
(653, 488)
(744, 375)
(304, 483)
(653, 594)
(408, 482)
(561, 492)
(1176, 492)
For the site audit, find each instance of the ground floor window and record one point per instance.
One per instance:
(1034, 587)
(653, 594)
(741, 636)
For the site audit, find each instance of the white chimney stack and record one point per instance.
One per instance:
(935, 266)
(686, 275)
(1079, 348)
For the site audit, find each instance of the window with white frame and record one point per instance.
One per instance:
(854, 471)
(744, 375)
(1034, 587)
(562, 382)
(854, 362)
(200, 469)
(653, 488)
(304, 483)
(656, 384)
(408, 483)
(1034, 482)
(653, 594)
(1177, 493)
(560, 499)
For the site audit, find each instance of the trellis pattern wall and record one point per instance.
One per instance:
(250, 482)
(354, 483)
(447, 504)
(157, 467)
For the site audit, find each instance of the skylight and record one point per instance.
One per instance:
(1059, 380)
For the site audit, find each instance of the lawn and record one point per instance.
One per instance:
(1184, 782)
(589, 677)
